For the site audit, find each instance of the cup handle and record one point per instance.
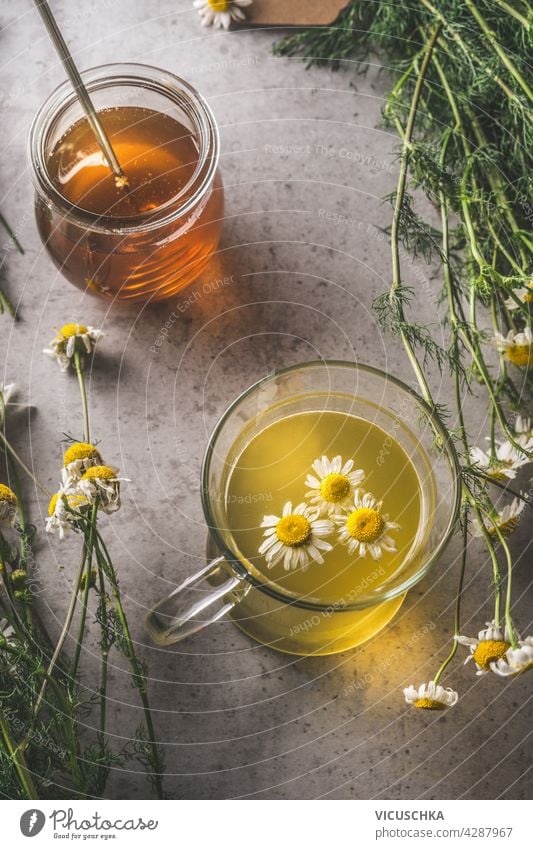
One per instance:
(200, 600)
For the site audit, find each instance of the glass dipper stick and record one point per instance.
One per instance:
(79, 87)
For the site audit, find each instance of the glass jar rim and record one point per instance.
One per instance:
(288, 597)
(136, 75)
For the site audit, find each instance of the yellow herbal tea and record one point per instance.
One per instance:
(342, 476)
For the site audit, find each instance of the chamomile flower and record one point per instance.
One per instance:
(515, 661)
(8, 506)
(491, 644)
(63, 511)
(517, 347)
(71, 338)
(505, 463)
(296, 537)
(333, 485)
(506, 520)
(221, 13)
(524, 294)
(101, 482)
(364, 529)
(430, 696)
(78, 457)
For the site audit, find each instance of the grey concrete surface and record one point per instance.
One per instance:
(236, 719)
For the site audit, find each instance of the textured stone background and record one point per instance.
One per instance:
(236, 719)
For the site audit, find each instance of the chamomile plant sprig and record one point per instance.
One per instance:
(462, 107)
(88, 488)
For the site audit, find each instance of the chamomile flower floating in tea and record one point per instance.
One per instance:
(505, 463)
(220, 13)
(8, 506)
(296, 537)
(491, 644)
(430, 696)
(72, 338)
(364, 529)
(334, 485)
(517, 347)
(516, 660)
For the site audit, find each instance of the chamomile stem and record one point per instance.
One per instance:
(78, 365)
(64, 632)
(400, 194)
(10, 451)
(457, 619)
(498, 49)
(19, 762)
(508, 595)
(138, 674)
(88, 551)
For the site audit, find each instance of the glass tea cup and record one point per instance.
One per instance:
(231, 585)
(153, 252)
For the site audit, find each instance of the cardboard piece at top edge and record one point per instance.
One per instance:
(294, 12)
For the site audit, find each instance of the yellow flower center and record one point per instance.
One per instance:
(335, 487)
(7, 494)
(75, 501)
(101, 472)
(528, 297)
(506, 528)
(293, 529)
(429, 704)
(219, 5)
(72, 329)
(365, 524)
(520, 355)
(53, 504)
(80, 451)
(489, 651)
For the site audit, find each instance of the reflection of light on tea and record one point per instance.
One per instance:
(277, 460)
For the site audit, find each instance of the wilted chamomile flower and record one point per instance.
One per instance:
(524, 294)
(64, 509)
(516, 660)
(8, 506)
(101, 482)
(78, 457)
(72, 337)
(492, 643)
(523, 428)
(430, 696)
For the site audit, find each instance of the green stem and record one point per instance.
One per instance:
(138, 676)
(78, 365)
(400, 193)
(457, 618)
(491, 38)
(19, 762)
(64, 632)
(88, 554)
